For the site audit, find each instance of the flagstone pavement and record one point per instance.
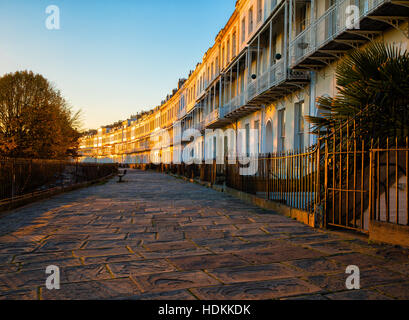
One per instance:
(158, 237)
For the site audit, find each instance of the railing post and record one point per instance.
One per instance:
(31, 170)
(13, 179)
(76, 171)
(266, 167)
(407, 181)
(214, 171)
(318, 185)
(370, 187)
(226, 168)
(325, 184)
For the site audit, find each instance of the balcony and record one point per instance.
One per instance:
(182, 112)
(199, 126)
(329, 37)
(233, 104)
(276, 82)
(272, 77)
(215, 119)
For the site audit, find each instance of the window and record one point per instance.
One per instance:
(302, 13)
(273, 4)
(223, 57)
(233, 45)
(257, 136)
(214, 148)
(248, 140)
(281, 130)
(331, 24)
(259, 10)
(274, 49)
(241, 81)
(228, 52)
(226, 146)
(243, 30)
(251, 20)
(364, 6)
(299, 125)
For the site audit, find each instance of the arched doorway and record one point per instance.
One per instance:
(269, 137)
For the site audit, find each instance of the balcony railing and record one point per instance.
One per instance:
(212, 117)
(233, 104)
(182, 112)
(270, 78)
(328, 27)
(198, 125)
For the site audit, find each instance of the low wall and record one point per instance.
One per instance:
(33, 197)
(299, 215)
(389, 233)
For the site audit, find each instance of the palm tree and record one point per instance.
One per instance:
(373, 91)
(373, 88)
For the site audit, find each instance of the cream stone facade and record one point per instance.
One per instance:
(265, 70)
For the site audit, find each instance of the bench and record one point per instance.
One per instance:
(121, 175)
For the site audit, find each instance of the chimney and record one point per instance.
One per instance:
(180, 83)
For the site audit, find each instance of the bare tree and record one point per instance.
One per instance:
(35, 120)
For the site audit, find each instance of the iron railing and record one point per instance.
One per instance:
(274, 75)
(204, 171)
(354, 181)
(389, 181)
(21, 177)
(346, 172)
(212, 117)
(290, 178)
(327, 27)
(235, 103)
(360, 176)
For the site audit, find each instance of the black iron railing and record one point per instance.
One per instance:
(25, 177)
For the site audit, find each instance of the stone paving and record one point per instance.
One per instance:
(157, 237)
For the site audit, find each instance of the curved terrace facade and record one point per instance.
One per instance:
(263, 73)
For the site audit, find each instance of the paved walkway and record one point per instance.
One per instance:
(157, 237)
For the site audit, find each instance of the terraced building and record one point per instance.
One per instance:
(263, 73)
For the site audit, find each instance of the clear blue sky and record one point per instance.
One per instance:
(110, 58)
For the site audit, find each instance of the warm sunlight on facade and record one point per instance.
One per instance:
(265, 70)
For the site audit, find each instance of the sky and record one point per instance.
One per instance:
(111, 58)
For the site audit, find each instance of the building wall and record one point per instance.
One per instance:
(196, 101)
